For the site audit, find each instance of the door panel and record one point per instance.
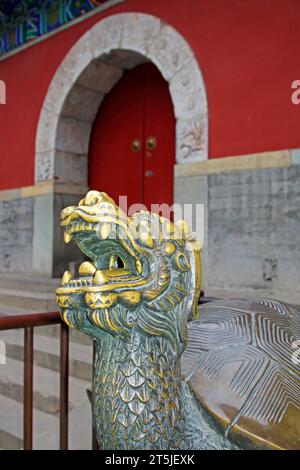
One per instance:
(113, 167)
(138, 107)
(159, 133)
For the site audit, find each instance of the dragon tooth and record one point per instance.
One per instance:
(99, 277)
(105, 230)
(67, 276)
(86, 269)
(67, 237)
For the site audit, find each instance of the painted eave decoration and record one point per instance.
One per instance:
(22, 21)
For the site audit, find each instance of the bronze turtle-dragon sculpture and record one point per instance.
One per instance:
(164, 377)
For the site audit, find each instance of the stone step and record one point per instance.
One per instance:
(45, 427)
(9, 442)
(28, 283)
(45, 386)
(76, 336)
(8, 311)
(33, 301)
(47, 352)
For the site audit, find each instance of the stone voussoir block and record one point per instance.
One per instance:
(169, 51)
(45, 166)
(82, 103)
(100, 76)
(188, 98)
(191, 139)
(139, 31)
(106, 35)
(46, 132)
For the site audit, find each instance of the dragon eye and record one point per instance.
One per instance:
(116, 262)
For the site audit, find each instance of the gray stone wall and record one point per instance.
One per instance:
(16, 231)
(63, 253)
(253, 227)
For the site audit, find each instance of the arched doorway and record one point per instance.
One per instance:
(83, 80)
(132, 147)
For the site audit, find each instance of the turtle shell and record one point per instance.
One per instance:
(242, 363)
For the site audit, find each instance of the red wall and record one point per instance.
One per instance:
(248, 51)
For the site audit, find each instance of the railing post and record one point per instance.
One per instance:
(64, 386)
(28, 388)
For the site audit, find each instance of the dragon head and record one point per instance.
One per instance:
(143, 275)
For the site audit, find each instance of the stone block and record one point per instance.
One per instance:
(78, 58)
(191, 139)
(16, 231)
(63, 253)
(100, 76)
(106, 35)
(82, 103)
(124, 59)
(42, 257)
(253, 229)
(58, 90)
(46, 131)
(169, 51)
(44, 167)
(139, 32)
(73, 135)
(187, 92)
(71, 168)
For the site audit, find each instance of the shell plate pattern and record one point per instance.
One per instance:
(258, 335)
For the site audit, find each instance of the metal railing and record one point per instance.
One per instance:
(28, 322)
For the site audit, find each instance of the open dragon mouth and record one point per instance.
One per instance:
(107, 240)
(142, 258)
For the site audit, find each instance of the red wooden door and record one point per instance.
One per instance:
(132, 149)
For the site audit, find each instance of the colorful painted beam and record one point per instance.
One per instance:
(28, 22)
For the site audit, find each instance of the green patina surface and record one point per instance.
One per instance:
(134, 299)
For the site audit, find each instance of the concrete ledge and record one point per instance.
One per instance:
(40, 189)
(254, 161)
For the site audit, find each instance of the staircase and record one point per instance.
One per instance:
(17, 296)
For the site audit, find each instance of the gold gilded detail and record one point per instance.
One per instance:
(169, 248)
(105, 230)
(99, 277)
(131, 297)
(100, 300)
(67, 276)
(87, 269)
(147, 239)
(182, 261)
(67, 237)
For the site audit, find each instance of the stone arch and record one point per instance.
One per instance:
(91, 68)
